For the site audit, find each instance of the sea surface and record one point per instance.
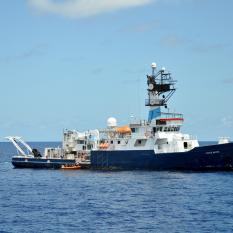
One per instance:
(128, 201)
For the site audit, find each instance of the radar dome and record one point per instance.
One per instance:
(153, 65)
(111, 122)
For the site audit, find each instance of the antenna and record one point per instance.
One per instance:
(160, 87)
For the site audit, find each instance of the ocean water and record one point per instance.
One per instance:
(128, 201)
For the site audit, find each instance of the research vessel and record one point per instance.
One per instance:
(157, 143)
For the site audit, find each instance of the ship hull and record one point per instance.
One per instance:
(215, 157)
(40, 163)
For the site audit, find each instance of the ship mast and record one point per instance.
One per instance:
(160, 89)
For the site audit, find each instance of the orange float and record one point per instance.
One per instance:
(71, 167)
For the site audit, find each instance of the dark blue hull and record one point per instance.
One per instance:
(215, 157)
(41, 163)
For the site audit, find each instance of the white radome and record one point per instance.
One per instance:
(153, 65)
(111, 122)
(151, 86)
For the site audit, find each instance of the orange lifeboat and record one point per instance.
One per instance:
(124, 130)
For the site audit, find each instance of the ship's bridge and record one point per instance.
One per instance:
(168, 122)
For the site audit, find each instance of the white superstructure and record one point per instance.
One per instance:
(75, 145)
(161, 132)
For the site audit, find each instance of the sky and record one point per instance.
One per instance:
(72, 64)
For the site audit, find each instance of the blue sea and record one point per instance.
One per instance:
(128, 201)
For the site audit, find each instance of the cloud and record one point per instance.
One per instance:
(97, 71)
(142, 27)
(37, 50)
(228, 81)
(207, 48)
(83, 8)
(174, 41)
(227, 121)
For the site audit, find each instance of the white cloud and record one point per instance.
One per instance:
(35, 51)
(227, 121)
(83, 8)
(142, 27)
(174, 41)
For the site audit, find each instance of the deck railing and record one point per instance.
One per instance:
(171, 115)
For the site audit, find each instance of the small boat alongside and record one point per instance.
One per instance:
(71, 167)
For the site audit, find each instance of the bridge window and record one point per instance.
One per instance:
(185, 145)
(159, 122)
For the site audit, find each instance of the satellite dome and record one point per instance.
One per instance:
(111, 122)
(153, 65)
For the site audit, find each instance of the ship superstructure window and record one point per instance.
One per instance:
(140, 142)
(160, 122)
(185, 145)
(80, 141)
(166, 129)
(112, 142)
(119, 142)
(133, 130)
